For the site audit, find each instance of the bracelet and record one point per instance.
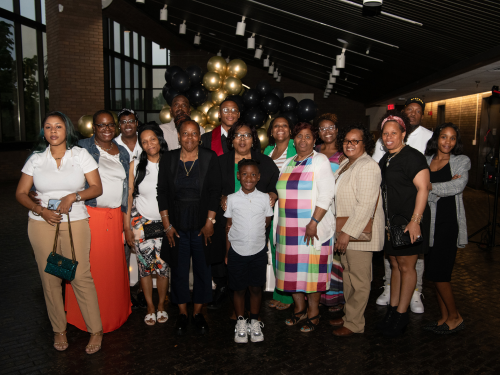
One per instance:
(34, 213)
(168, 229)
(164, 215)
(417, 218)
(314, 219)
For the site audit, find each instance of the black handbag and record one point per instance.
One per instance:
(58, 265)
(396, 232)
(153, 230)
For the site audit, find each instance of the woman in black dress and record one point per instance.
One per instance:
(405, 180)
(449, 176)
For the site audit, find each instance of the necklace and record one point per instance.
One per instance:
(105, 149)
(192, 165)
(300, 162)
(392, 157)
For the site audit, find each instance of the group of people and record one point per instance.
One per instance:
(321, 199)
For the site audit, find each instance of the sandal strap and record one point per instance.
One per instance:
(308, 322)
(60, 333)
(97, 333)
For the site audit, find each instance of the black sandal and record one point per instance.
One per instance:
(309, 324)
(296, 319)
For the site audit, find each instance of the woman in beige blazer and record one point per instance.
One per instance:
(358, 191)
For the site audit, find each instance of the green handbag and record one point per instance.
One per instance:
(58, 265)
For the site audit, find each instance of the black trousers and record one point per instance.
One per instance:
(191, 246)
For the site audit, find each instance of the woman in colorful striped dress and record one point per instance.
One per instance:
(304, 224)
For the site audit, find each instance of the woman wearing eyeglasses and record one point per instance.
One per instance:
(328, 131)
(107, 213)
(241, 142)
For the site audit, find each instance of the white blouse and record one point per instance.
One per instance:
(281, 160)
(55, 183)
(146, 202)
(112, 177)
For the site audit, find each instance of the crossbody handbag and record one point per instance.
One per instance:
(153, 230)
(58, 265)
(366, 234)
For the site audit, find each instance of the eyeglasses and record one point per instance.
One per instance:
(125, 122)
(353, 142)
(232, 110)
(243, 136)
(111, 125)
(330, 128)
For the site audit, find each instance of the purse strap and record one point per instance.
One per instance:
(376, 205)
(70, 237)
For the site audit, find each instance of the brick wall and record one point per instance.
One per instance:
(347, 110)
(75, 56)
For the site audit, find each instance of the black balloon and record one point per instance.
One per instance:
(255, 117)
(170, 72)
(279, 93)
(263, 88)
(169, 93)
(270, 104)
(197, 95)
(239, 102)
(181, 81)
(291, 117)
(195, 74)
(306, 110)
(251, 98)
(288, 104)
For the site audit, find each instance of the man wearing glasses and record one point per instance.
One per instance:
(418, 138)
(128, 121)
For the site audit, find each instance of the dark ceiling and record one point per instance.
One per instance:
(301, 38)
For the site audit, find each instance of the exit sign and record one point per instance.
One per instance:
(390, 106)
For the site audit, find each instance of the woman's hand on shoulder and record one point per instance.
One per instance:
(223, 202)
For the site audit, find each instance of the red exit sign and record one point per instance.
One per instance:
(390, 106)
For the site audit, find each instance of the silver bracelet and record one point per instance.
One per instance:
(168, 229)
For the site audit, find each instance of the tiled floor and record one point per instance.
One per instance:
(26, 335)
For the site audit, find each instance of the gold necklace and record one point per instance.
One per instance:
(107, 150)
(392, 157)
(192, 165)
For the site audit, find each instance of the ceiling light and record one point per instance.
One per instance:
(368, 51)
(164, 13)
(328, 91)
(228, 59)
(182, 28)
(332, 79)
(329, 86)
(139, 1)
(385, 13)
(197, 39)
(266, 62)
(342, 41)
(442, 90)
(372, 3)
(271, 69)
(279, 78)
(275, 75)
(219, 53)
(251, 42)
(258, 52)
(335, 71)
(240, 27)
(341, 60)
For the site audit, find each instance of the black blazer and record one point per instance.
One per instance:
(269, 174)
(206, 142)
(209, 196)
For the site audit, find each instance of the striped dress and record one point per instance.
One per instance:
(299, 267)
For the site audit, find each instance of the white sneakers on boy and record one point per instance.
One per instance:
(255, 330)
(416, 305)
(240, 331)
(385, 297)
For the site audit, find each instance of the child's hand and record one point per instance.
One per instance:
(272, 199)
(223, 202)
(225, 260)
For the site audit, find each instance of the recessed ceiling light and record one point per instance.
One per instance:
(342, 40)
(212, 34)
(442, 90)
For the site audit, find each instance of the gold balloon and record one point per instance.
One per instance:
(209, 127)
(232, 86)
(206, 106)
(85, 126)
(212, 81)
(165, 116)
(191, 108)
(242, 91)
(268, 122)
(218, 97)
(217, 64)
(199, 117)
(166, 106)
(264, 140)
(236, 68)
(213, 115)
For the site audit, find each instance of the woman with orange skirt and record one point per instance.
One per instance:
(107, 255)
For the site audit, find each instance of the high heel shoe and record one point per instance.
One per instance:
(94, 348)
(387, 318)
(60, 345)
(397, 325)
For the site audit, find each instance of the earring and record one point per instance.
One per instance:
(201, 142)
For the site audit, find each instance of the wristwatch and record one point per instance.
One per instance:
(212, 220)
(78, 198)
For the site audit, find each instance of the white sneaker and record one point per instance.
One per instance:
(385, 297)
(240, 331)
(255, 332)
(416, 304)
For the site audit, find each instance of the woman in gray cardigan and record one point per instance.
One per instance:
(449, 176)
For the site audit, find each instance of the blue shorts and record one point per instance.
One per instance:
(245, 271)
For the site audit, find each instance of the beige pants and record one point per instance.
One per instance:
(356, 278)
(41, 235)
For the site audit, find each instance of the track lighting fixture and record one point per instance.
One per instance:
(228, 59)
(332, 79)
(335, 72)
(219, 53)
(271, 69)
(182, 28)
(240, 27)
(279, 78)
(275, 75)
(251, 42)
(197, 39)
(266, 62)
(164, 13)
(258, 52)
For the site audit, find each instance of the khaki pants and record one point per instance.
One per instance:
(356, 278)
(41, 235)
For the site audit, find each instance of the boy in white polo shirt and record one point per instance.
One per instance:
(248, 214)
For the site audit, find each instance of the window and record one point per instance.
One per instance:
(7, 5)
(27, 8)
(159, 55)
